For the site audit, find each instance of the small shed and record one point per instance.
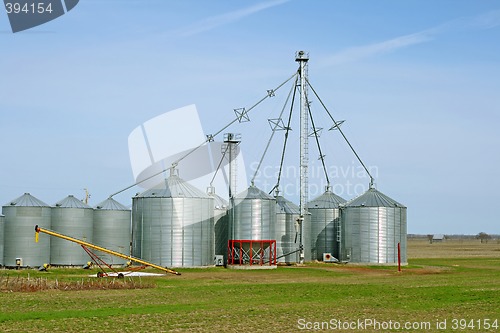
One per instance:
(438, 238)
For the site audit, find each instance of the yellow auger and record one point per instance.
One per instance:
(102, 249)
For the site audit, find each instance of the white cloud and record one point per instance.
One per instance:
(361, 52)
(488, 20)
(484, 21)
(216, 21)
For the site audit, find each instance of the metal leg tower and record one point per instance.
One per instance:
(231, 142)
(302, 58)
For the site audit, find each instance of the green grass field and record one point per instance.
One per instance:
(454, 281)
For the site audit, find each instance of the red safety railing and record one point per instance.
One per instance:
(251, 252)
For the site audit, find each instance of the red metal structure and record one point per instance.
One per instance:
(251, 252)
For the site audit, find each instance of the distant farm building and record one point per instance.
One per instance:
(438, 238)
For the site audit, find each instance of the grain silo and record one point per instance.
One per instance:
(372, 226)
(253, 216)
(287, 230)
(325, 220)
(251, 230)
(71, 217)
(21, 217)
(2, 223)
(112, 230)
(173, 226)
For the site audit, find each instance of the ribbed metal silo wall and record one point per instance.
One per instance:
(2, 229)
(392, 230)
(365, 234)
(399, 231)
(207, 233)
(323, 232)
(306, 237)
(176, 232)
(347, 234)
(388, 245)
(371, 234)
(173, 232)
(194, 244)
(253, 219)
(74, 222)
(112, 231)
(403, 233)
(151, 229)
(378, 234)
(196, 220)
(19, 239)
(286, 241)
(137, 221)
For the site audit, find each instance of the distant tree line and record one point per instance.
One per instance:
(483, 237)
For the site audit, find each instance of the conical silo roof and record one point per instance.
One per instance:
(253, 193)
(111, 204)
(286, 206)
(373, 198)
(326, 200)
(27, 200)
(174, 187)
(71, 202)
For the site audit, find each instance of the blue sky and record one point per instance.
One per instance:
(416, 81)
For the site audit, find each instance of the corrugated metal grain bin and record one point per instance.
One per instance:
(325, 219)
(2, 229)
(287, 237)
(173, 226)
(253, 216)
(112, 222)
(372, 226)
(71, 217)
(21, 217)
